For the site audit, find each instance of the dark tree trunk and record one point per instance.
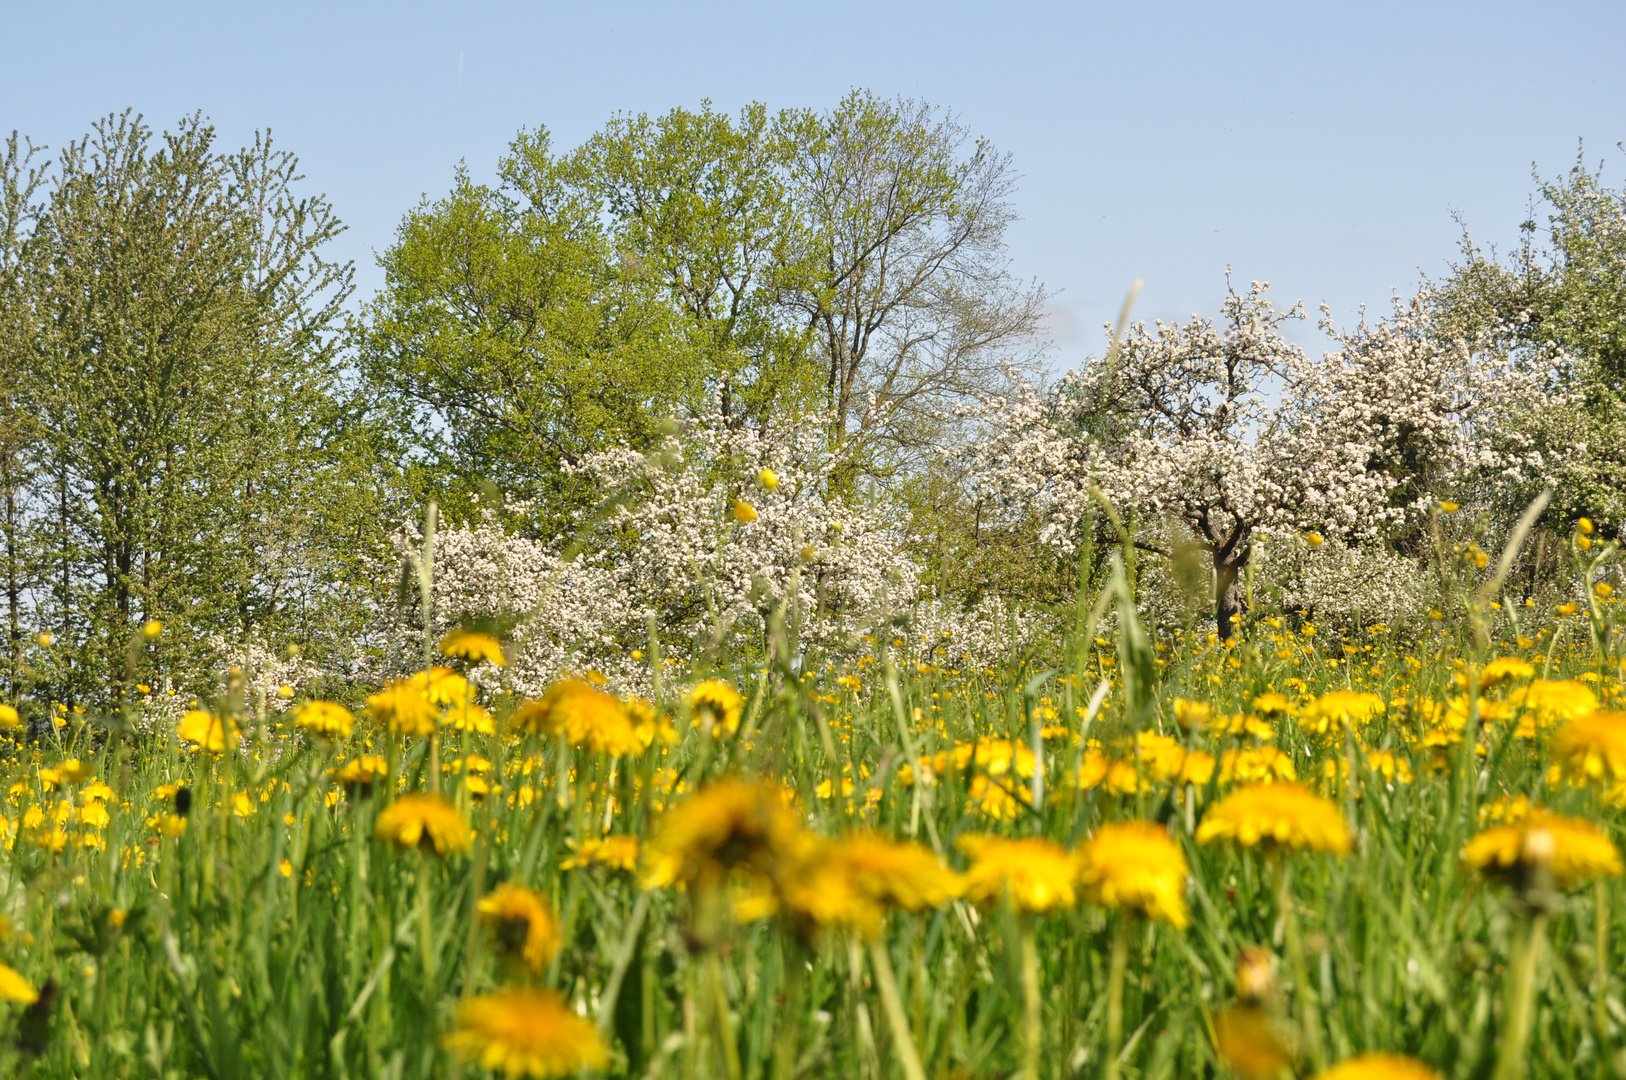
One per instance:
(1228, 601)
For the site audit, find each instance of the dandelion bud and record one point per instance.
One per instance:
(1584, 526)
(1314, 539)
(768, 480)
(151, 629)
(744, 512)
(45, 640)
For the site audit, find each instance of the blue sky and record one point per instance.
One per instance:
(1323, 148)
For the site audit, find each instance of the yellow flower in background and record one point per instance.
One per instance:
(442, 686)
(615, 852)
(13, 987)
(1505, 669)
(1135, 865)
(717, 706)
(1276, 815)
(73, 771)
(1038, 874)
(9, 719)
(1379, 1067)
(471, 717)
(1546, 702)
(743, 512)
(1248, 1040)
(94, 815)
(1449, 507)
(994, 799)
(362, 772)
(1192, 714)
(726, 824)
(473, 647)
(1314, 539)
(1573, 848)
(1603, 589)
(1584, 526)
(208, 731)
(1271, 703)
(242, 805)
(529, 1033)
(325, 718)
(523, 925)
(587, 717)
(893, 873)
(1256, 765)
(404, 708)
(1593, 747)
(768, 480)
(1333, 712)
(426, 822)
(151, 629)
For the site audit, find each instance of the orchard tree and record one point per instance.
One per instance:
(1233, 432)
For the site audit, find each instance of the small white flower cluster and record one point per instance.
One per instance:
(1343, 584)
(986, 636)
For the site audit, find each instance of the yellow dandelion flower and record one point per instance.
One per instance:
(1038, 874)
(443, 687)
(1379, 1067)
(768, 480)
(1331, 713)
(1271, 703)
(717, 706)
(726, 824)
(522, 924)
(426, 822)
(743, 512)
(242, 805)
(1314, 539)
(1573, 848)
(1505, 669)
(994, 799)
(404, 708)
(586, 716)
(468, 645)
(13, 987)
(1547, 702)
(325, 718)
(894, 873)
(151, 629)
(615, 852)
(1092, 770)
(207, 731)
(1256, 766)
(471, 717)
(9, 718)
(525, 1033)
(1276, 815)
(362, 773)
(1192, 714)
(1593, 746)
(1248, 1040)
(1135, 865)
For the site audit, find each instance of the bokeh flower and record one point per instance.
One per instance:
(424, 822)
(525, 1033)
(1135, 865)
(717, 706)
(474, 647)
(1379, 1067)
(1572, 849)
(404, 708)
(325, 718)
(1038, 874)
(522, 924)
(1278, 815)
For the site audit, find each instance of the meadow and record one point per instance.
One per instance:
(1164, 855)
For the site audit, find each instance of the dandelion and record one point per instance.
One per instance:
(151, 629)
(1547, 702)
(523, 925)
(1379, 1067)
(426, 822)
(717, 706)
(1314, 539)
(13, 987)
(404, 708)
(1334, 712)
(74, 771)
(9, 719)
(1036, 873)
(726, 824)
(743, 512)
(903, 875)
(525, 1033)
(1135, 865)
(586, 716)
(1248, 1040)
(442, 686)
(768, 480)
(207, 731)
(1275, 816)
(1603, 589)
(1192, 714)
(1505, 669)
(1593, 746)
(361, 773)
(615, 852)
(468, 645)
(325, 718)
(1256, 766)
(45, 639)
(1573, 848)
(1271, 703)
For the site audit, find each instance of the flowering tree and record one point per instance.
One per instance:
(1232, 431)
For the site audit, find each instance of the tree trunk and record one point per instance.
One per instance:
(1228, 602)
